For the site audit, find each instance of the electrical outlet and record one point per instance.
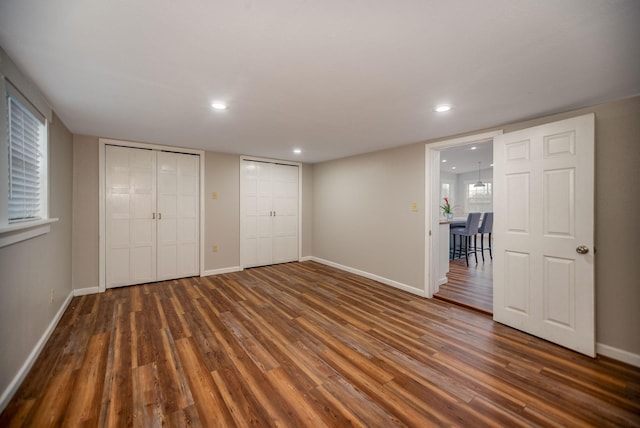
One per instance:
(215, 248)
(414, 207)
(214, 195)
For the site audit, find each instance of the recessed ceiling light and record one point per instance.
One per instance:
(491, 165)
(473, 148)
(442, 108)
(218, 105)
(297, 151)
(453, 167)
(444, 160)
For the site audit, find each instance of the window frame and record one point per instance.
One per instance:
(467, 200)
(17, 231)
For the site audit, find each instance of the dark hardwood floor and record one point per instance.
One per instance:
(470, 286)
(302, 344)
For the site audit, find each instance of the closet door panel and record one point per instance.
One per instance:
(188, 215)
(285, 220)
(166, 219)
(250, 217)
(178, 192)
(130, 239)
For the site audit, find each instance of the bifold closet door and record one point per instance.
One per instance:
(152, 215)
(270, 220)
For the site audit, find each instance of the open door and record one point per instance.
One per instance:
(544, 230)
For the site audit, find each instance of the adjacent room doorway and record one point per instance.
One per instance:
(462, 172)
(466, 184)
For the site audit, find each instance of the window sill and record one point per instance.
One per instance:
(18, 232)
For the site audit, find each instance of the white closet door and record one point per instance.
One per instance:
(152, 215)
(258, 233)
(177, 217)
(188, 216)
(130, 227)
(270, 213)
(167, 215)
(285, 213)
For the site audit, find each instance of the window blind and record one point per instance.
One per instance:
(25, 162)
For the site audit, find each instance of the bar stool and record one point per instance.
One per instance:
(471, 229)
(485, 227)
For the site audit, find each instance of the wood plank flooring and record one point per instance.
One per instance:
(302, 344)
(470, 286)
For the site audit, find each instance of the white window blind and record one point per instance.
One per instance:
(27, 161)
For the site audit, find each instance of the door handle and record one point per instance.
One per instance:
(582, 249)
(159, 216)
(153, 216)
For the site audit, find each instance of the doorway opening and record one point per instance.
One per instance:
(461, 171)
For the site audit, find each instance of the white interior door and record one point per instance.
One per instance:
(130, 226)
(544, 232)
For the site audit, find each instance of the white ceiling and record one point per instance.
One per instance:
(462, 159)
(333, 77)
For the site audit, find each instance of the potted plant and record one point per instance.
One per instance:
(447, 211)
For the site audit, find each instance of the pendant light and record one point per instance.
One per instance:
(479, 183)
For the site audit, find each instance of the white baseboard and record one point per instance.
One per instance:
(8, 393)
(618, 354)
(220, 271)
(306, 259)
(386, 281)
(85, 291)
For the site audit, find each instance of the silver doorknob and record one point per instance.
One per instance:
(582, 249)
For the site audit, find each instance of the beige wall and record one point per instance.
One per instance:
(222, 215)
(30, 270)
(362, 218)
(362, 215)
(86, 233)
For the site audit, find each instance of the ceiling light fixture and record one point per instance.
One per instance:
(297, 151)
(473, 148)
(442, 108)
(444, 160)
(453, 167)
(479, 183)
(218, 105)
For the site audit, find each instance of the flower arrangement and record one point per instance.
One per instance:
(446, 207)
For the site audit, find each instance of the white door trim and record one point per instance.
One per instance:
(102, 143)
(242, 206)
(432, 198)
